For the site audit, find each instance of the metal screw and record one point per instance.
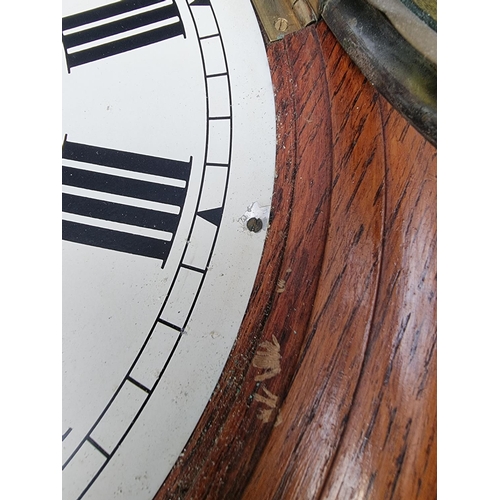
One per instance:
(281, 24)
(254, 225)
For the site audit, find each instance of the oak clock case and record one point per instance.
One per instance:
(168, 151)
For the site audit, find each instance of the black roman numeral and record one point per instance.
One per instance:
(94, 26)
(88, 202)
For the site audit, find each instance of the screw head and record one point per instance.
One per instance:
(254, 225)
(281, 24)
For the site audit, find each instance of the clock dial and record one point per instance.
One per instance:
(168, 151)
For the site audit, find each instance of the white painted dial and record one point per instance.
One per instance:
(169, 147)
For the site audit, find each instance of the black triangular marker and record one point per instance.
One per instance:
(200, 2)
(213, 215)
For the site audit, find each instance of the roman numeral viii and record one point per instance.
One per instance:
(118, 27)
(132, 205)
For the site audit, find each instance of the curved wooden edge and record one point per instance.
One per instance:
(360, 417)
(234, 428)
(330, 389)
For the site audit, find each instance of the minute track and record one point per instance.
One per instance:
(191, 269)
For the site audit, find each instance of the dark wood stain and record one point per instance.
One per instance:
(347, 287)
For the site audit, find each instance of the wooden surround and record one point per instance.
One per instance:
(330, 389)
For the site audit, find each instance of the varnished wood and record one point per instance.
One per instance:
(217, 457)
(344, 305)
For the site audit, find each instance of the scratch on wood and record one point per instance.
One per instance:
(267, 359)
(264, 415)
(280, 287)
(279, 419)
(271, 401)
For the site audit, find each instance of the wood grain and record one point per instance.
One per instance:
(344, 305)
(281, 303)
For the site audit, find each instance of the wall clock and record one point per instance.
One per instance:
(168, 162)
